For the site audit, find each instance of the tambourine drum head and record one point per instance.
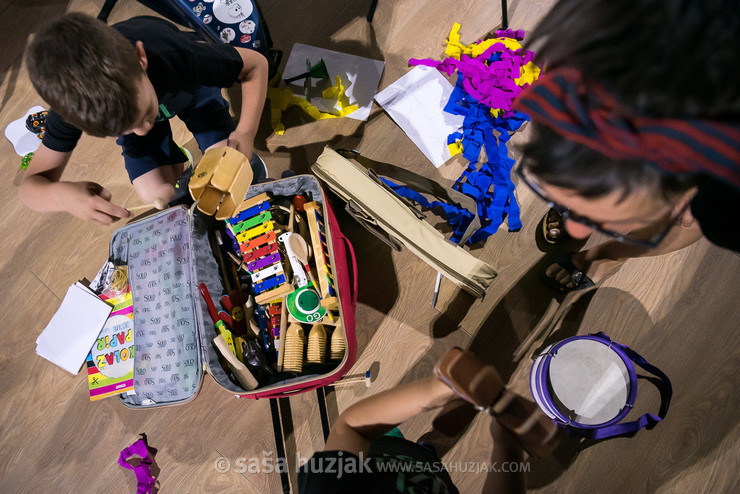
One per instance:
(589, 382)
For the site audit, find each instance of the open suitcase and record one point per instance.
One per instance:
(168, 256)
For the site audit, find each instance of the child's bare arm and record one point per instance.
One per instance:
(253, 80)
(43, 191)
(372, 417)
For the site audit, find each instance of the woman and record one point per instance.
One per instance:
(636, 130)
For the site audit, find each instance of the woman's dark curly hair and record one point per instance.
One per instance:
(659, 58)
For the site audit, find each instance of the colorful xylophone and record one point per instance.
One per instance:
(253, 228)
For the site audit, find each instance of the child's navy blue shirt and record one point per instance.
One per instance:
(177, 64)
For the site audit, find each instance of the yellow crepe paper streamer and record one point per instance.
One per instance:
(283, 98)
(530, 73)
(456, 49)
(455, 148)
(337, 93)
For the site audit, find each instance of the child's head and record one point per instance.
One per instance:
(88, 73)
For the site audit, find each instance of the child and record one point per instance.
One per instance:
(128, 80)
(636, 131)
(390, 463)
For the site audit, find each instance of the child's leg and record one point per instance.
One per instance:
(209, 120)
(154, 162)
(157, 184)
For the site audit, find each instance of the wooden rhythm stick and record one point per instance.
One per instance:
(321, 257)
(158, 204)
(291, 219)
(283, 326)
(359, 378)
(238, 263)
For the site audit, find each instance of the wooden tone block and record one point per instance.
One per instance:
(220, 181)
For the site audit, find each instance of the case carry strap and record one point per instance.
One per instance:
(647, 420)
(105, 10)
(417, 183)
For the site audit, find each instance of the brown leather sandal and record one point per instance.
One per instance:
(544, 232)
(482, 386)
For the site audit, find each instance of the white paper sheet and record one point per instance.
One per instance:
(415, 102)
(360, 76)
(70, 334)
(24, 141)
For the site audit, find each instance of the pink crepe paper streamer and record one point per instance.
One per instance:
(491, 83)
(144, 479)
(517, 34)
(447, 66)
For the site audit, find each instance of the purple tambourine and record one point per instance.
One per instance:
(587, 385)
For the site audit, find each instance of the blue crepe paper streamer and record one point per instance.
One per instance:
(458, 218)
(478, 131)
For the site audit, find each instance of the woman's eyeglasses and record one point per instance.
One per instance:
(567, 214)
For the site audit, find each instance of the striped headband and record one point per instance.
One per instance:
(589, 115)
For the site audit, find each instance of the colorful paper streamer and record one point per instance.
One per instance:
(490, 75)
(282, 98)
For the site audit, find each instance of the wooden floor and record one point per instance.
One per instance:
(680, 311)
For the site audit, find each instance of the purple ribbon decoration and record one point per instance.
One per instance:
(144, 480)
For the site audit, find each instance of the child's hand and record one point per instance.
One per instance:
(91, 202)
(242, 142)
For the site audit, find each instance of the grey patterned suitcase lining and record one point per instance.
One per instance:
(167, 261)
(167, 366)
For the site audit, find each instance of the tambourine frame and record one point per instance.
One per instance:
(540, 387)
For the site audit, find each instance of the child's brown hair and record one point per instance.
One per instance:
(87, 72)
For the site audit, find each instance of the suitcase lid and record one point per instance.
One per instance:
(168, 352)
